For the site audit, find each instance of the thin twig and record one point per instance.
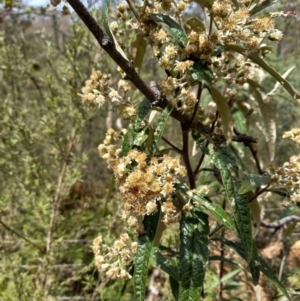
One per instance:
(56, 198)
(259, 193)
(197, 105)
(281, 223)
(186, 158)
(175, 148)
(212, 128)
(254, 154)
(133, 10)
(20, 235)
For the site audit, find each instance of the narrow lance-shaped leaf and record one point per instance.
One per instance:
(224, 112)
(194, 231)
(259, 61)
(105, 8)
(145, 244)
(160, 127)
(217, 211)
(139, 48)
(277, 85)
(260, 6)
(225, 162)
(169, 267)
(174, 28)
(238, 248)
(268, 112)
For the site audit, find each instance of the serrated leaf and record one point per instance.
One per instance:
(225, 162)
(252, 182)
(201, 73)
(135, 128)
(205, 3)
(160, 127)
(217, 211)
(194, 231)
(139, 48)
(259, 61)
(268, 112)
(145, 244)
(261, 6)
(196, 24)
(224, 112)
(173, 27)
(104, 10)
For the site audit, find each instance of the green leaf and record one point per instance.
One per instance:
(160, 127)
(217, 211)
(238, 248)
(145, 244)
(266, 270)
(255, 84)
(196, 24)
(261, 6)
(268, 112)
(139, 48)
(104, 10)
(201, 73)
(200, 141)
(252, 182)
(134, 129)
(194, 231)
(224, 112)
(225, 162)
(259, 61)
(240, 121)
(173, 27)
(169, 267)
(230, 275)
(205, 3)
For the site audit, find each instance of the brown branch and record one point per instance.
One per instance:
(197, 105)
(56, 198)
(254, 154)
(152, 94)
(281, 223)
(259, 193)
(133, 10)
(108, 46)
(186, 158)
(244, 138)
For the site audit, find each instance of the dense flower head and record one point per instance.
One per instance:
(112, 261)
(143, 182)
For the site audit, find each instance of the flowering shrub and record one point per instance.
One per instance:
(208, 65)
